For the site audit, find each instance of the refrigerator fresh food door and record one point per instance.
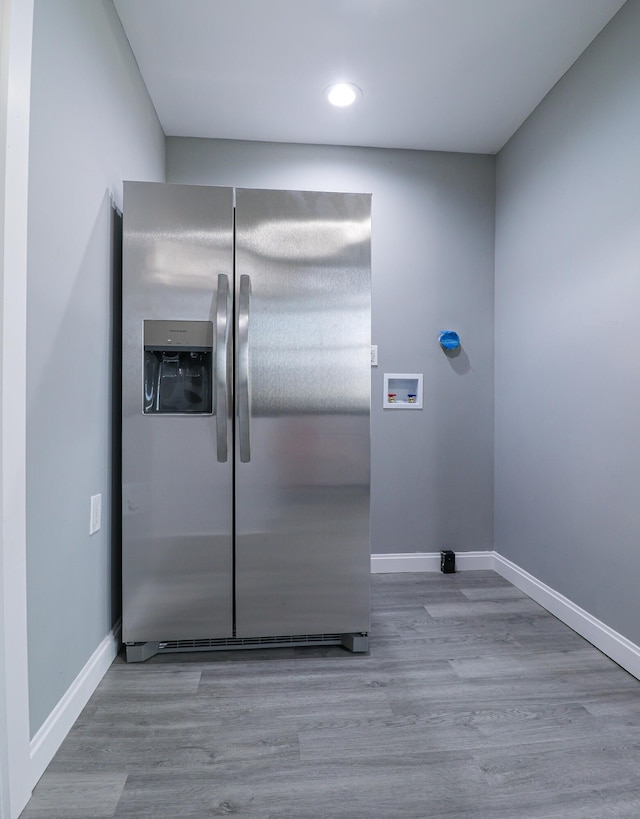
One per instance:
(303, 396)
(177, 458)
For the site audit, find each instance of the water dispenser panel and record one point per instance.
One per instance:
(178, 358)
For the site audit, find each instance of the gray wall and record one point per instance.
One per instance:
(432, 269)
(567, 342)
(92, 125)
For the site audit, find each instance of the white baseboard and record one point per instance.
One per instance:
(410, 562)
(59, 722)
(610, 642)
(428, 562)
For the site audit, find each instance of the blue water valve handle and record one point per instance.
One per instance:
(449, 340)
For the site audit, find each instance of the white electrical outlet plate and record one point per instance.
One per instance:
(95, 518)
(374, 355)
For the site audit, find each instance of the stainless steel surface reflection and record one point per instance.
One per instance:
(302, 519)
(177, 523)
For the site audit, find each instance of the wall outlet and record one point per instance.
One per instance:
(95, 517)
(374, 355)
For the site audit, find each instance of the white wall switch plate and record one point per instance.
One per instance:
(374, 355)
(95, 519)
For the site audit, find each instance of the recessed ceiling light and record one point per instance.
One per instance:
(342, 94)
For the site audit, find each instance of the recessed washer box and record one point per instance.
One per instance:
(402, 391)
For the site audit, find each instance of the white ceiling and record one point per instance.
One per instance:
(453, 75)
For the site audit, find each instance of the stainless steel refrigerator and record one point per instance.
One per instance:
(245, 428)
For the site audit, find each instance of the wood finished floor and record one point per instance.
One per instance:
(473, 702)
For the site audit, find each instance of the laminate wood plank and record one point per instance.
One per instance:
(522, 678)
(471, 609)
(618, 711)
(520, 724)
(226, 714)
(354, 788)
(137, 680)
(299, 682)
(493, 593)
(569, 803)
(563, 764)
(451, 644)
(176, 751)
(534, 640)
(76, 795)
(535, 631)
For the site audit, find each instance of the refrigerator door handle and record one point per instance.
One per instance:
(222, 366)
(244, 432)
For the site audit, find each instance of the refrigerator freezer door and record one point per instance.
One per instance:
(177, 480)
(302, 483)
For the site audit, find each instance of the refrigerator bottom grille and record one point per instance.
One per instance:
(227, 643)
(356, 642)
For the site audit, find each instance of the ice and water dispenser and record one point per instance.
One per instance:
(178, 367)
